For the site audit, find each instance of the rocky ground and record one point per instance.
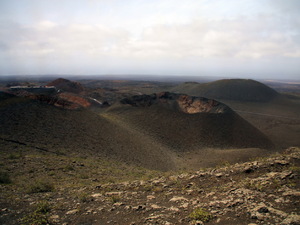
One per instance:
(263, 191)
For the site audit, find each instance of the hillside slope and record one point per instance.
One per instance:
(188, 123)
(264, 191)
(33, 124)
(147, 130)
(230, 89)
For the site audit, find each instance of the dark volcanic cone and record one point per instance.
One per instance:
(230, 89)
(186, 123)
(180, 102)
(67, 85)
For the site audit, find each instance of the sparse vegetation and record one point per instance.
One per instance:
(69, 167)
(253, 184)
(43, 207)
(4, 178)
(223, 163)
(84, 197)
(37, 186)
(39, 216)
(200, 214)
(262, 185)
(295, 169)
(115, 198)
(14, 156)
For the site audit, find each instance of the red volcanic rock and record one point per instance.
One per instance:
(63, 100)
(191, 105)
(76, 101)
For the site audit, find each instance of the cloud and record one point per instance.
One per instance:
(48, 38)
(200, 38)
(157, 40)
(209, 39)
(45, 25)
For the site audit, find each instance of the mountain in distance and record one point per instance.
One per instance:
(67, 85)
(229, 89)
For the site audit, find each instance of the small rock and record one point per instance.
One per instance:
(285, 174)
(272, 175)
(150, 197)
(117, 204)
(174, 209)
(89, 211)
(54, 218)
(257, 215)
(72, 212)
(263, 210)
(152, 217)
(154, 206)
(189, 192)
(184, 205)
(219, 174)
(210, 194)
(202, 174)
(139, 208)
(189, 185)
(277, 212)
(155, 182)
(248, 169)
(113, 193)
(291, 193)
(235, 203)
(97, 195)
(176, 199)
(281, 162)
(101, 209)
(279, 200)
(291, 220)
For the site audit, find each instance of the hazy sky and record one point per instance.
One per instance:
(236, 38)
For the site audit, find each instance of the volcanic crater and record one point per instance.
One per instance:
(184, 103)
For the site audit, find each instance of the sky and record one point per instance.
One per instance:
(228, 38)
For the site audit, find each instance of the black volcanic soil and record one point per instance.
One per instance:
(230, 89)
(279, 119)
(135, 131)
(36, 125)
(187, 123)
